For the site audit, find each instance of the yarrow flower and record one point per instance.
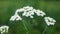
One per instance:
(4, 29)
(27, 12)
(49, 21)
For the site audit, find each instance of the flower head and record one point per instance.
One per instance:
(4, 29)
(49, 21)
(27, 12)
(15, 17)
(40, 13)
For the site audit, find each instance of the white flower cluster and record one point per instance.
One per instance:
(16, 17)
(49, 21)
(29, 12)
(4, 29)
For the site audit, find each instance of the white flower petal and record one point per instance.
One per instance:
(31, 17)
(26, 7)
(24, 13)
(12, 18)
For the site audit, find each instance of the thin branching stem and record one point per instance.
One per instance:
(44, 30)
(25, 26)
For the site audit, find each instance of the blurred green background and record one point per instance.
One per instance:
(36, 25)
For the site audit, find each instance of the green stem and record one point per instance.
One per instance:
(44, 30)
(25, 27)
